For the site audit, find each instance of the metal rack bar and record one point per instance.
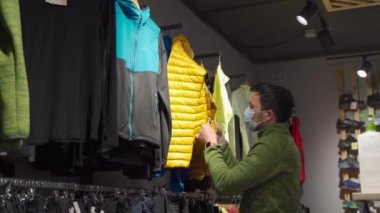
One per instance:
(172, 27)
(64, 186)
(14, 182)
(208, 55)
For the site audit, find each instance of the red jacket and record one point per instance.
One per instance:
(296, 134)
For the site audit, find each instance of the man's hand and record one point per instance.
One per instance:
(207, 135)
(219, 134)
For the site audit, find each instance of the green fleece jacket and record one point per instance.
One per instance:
(268, 177)
(14, 94)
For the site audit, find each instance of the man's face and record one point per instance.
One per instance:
(255, 105)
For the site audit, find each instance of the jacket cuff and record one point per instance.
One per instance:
(224, 146)
(210, 151)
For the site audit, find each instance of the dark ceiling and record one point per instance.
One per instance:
(267, 30)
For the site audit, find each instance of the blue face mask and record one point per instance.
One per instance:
(248, 118)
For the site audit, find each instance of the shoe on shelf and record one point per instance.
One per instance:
(349, 204)
(347, 102)
(348, 163)
(346, 143)
(349, 124)
(374, 100)
(352, 183)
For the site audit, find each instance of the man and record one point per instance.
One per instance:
(268, 177)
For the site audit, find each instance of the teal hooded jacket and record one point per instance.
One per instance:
(143, 104)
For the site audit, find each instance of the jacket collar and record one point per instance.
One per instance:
(131, 11)
(282, 127)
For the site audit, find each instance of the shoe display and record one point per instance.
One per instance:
(350, 184)
(347, 102)
(346, 143)
(348, 163)
(349, 124)
(374, 100)
(349, 204)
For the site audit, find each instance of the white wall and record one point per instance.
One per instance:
(313, 84)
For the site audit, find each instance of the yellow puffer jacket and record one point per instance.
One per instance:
(187, 102)
(198, 166)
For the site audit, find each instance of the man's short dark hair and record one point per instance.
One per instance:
(277, 99)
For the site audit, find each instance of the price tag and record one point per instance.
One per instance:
(354, 105)
(354, 146)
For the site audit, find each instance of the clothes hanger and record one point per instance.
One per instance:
(136, 2)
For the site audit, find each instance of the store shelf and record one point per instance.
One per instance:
(366, 196)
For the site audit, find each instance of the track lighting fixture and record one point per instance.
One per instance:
(364, 68)
(325, 37)
(307, 13)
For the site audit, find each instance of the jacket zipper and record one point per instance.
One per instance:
(155, 110)
(131, 107)
(133, 80)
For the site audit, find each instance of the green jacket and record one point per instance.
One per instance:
(268, 177)
(14, 94)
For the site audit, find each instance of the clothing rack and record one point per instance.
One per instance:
(208, 55)
(172, 27)
(14, 182)
(191, 195)
(235, 199)
(228, 199)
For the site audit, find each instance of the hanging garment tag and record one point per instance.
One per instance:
(71, 210)
(57, 2)
(93, 209)
(76, 207)
(354, 105)
(354, 146)
(102, 211)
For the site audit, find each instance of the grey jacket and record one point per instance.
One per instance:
(143, 104)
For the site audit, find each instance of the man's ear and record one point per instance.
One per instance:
(270, 114)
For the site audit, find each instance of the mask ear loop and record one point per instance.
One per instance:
(263, 121)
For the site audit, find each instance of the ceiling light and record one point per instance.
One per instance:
(307, 13)
(364, 68)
